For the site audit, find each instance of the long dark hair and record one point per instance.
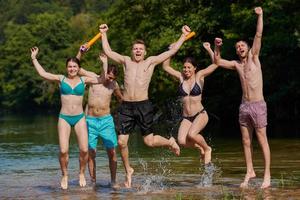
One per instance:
(191, 60)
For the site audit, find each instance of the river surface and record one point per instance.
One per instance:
(29, 167)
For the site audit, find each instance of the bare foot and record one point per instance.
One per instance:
(82, 181)
(64, 182)
(93, 180)
(174, 146)
(266, 183)
(207, 156)
(128, 178)
(248, 176)
(114, 185)
(202, 155)
(244, 184)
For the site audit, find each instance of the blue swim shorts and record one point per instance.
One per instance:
(104, 128)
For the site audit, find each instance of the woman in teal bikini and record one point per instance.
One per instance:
(194, 116)
(71, 114)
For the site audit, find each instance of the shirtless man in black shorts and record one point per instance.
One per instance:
(136, 109)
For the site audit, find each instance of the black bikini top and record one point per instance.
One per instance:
(195, 91)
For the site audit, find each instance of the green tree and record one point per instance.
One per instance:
(21, 85)
(58, 28)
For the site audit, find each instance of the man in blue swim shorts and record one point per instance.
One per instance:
(100, 123)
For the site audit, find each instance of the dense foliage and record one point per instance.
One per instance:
(58, 28)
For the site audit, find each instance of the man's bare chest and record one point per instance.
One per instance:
(100, 89)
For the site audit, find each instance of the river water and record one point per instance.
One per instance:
(29, 167)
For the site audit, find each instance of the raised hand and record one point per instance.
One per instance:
(103, 28)
(84, 48)
(34, 52)
(217, 57)
(258, 10)
(186, 30)
(218, 42)
(206, 45)
(103, 57)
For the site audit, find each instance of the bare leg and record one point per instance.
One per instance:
(184, 127)
(82, 139)
(112, 157)
(64, 131)
(92, 164)
(201, 151)
(205, 149)
(184, 141)
(193, 134)
(247, 140)
(123, 145)
(159, 141)
(263, 141)
(191, 144)
(174, 146)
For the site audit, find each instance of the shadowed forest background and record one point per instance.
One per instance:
(59, 27)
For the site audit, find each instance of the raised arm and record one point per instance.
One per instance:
(103, 28)
(167, 67)
(46, 75)
(210, 52)
(221, 62)
(215, 56)
(93, 80)
(91, 77)
(259, 29)
(227, 64)
(83, 48)
(103, 59)
(217, 51)
(84, 72)
(175, 47)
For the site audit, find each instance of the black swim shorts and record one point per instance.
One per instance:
(136, 113)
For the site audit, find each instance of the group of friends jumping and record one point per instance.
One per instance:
(96, 121)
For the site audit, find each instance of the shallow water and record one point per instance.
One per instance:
(29, 168)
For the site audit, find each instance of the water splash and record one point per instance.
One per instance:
(154, 180)
(206, 179)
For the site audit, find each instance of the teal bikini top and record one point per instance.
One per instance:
(66, 89)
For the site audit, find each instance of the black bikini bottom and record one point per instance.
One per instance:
(192, 118)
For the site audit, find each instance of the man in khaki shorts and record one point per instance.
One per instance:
(253, 108)
(136, 109)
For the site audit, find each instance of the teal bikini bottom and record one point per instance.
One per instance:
(71, 119)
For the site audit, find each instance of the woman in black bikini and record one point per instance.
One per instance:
(195, 117)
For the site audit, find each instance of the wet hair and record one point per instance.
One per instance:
(73, 59)
(192, 61)
(139, 41)
(112, 69)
